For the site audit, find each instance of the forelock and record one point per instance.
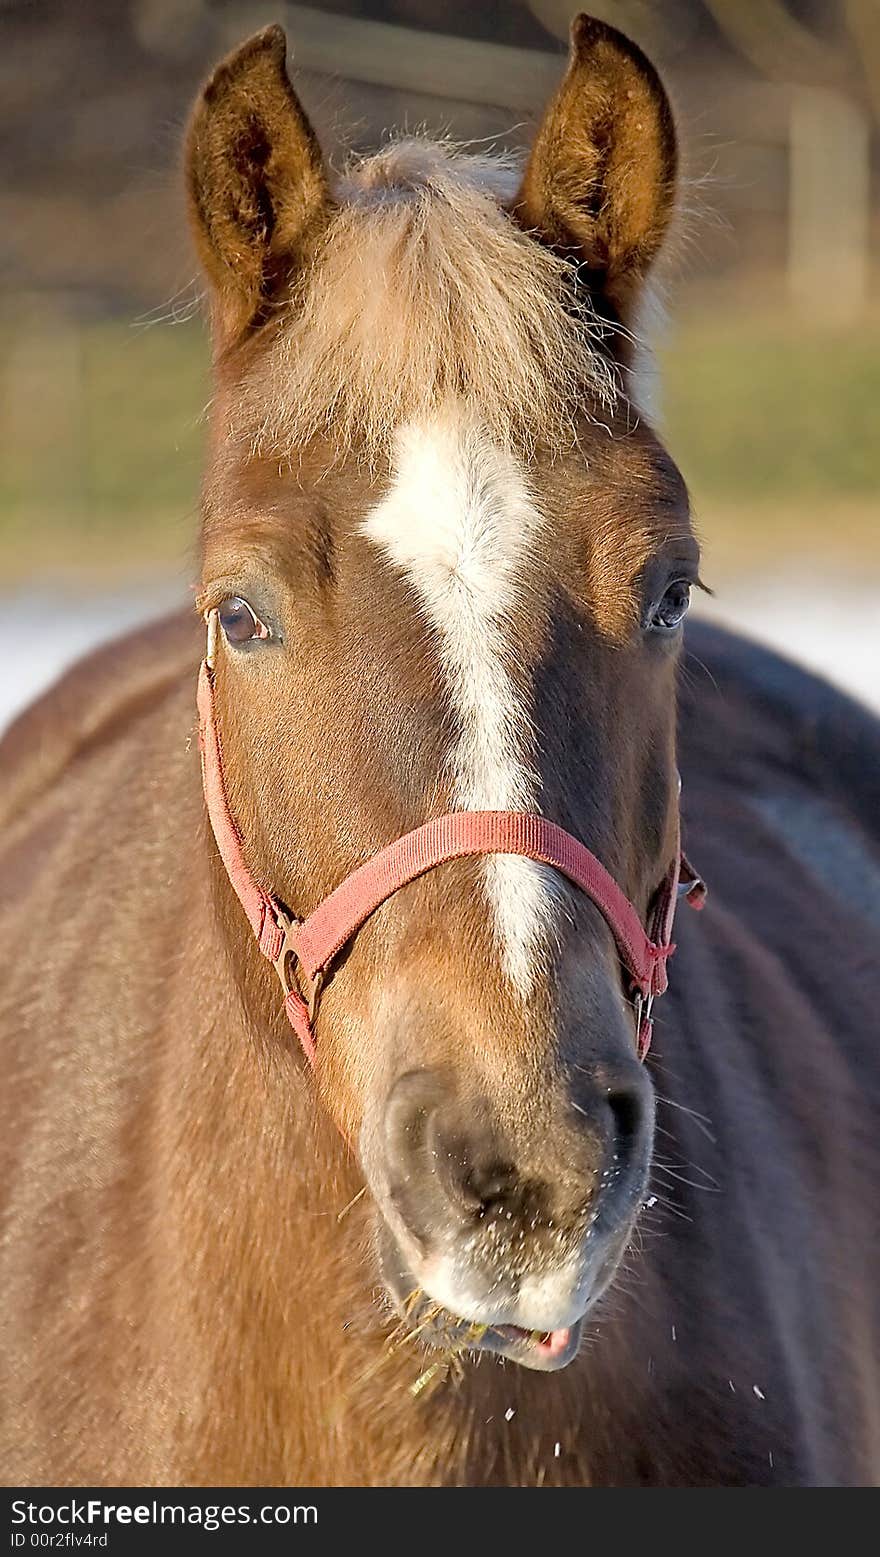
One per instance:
(423, 291)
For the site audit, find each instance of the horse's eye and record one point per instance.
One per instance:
(673, 608)
(239, 623)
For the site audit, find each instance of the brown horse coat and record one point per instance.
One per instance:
(180, 1301)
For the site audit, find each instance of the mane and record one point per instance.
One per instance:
(425, 292)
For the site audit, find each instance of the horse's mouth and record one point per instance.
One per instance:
(543, 1350)
(431, 1323)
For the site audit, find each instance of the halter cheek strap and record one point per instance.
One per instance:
(309, 946)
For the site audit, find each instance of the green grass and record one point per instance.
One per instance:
(101, 441)
(101, 436)
(758, 410)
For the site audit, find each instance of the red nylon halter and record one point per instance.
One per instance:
(313, 943)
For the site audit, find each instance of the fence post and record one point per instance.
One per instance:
(828, 205)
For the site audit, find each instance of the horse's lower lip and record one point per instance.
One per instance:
(550, 1343)
(543, 1350)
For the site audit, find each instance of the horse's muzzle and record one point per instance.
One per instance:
(502, 1245)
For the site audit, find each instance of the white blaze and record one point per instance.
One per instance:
(460, 522)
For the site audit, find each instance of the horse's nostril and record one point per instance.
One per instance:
(411, 1102)
(440, 1169)
(483, 1188)
(630, 1116)
(628, 1109)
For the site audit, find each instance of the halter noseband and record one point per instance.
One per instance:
(312, 944)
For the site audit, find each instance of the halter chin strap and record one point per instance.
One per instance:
(302, 951)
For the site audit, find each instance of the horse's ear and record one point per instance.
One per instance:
(258, 190)
(600, 181)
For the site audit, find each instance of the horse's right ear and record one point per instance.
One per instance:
(258, 190)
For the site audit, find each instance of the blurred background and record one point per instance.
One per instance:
(769, 387)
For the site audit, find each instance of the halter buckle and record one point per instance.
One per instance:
(213, 625)
(287, 924)
(643, 1005)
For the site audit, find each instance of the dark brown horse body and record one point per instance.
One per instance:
(436, 602)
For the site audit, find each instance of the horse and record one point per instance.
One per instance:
(469, 1230)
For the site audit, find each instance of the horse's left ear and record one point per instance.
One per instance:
(600, 181)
